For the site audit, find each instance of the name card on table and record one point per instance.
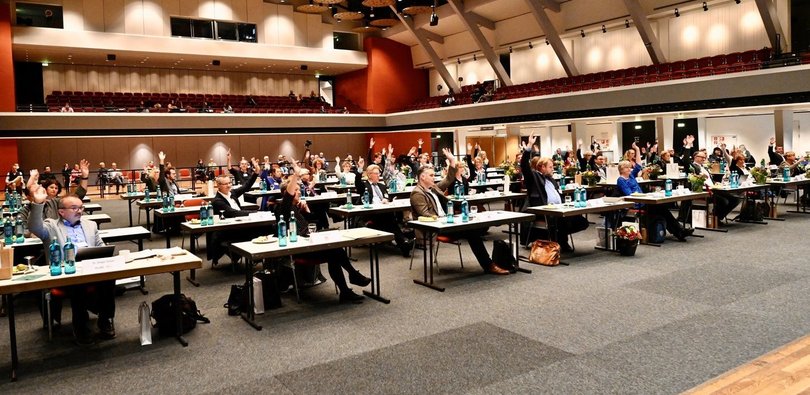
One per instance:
(329, 194)
(673, 170)
(182, 196)
(261, 216)
(596, 202)
(101, 265)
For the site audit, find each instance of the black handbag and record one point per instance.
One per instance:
(237, 299)
(270, 292)
(502, 256)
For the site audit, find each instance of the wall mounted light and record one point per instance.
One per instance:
(604, 29)
(627, 23)
(510, 49)
(677, 13)
(530, 45)
(582, 33)
(705, 6)
(547, 43)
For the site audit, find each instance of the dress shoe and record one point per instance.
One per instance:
(495, 269)
(565, 247)
(358, 279)
(83, 336)
(406, 247)
(348, 296)
(685, 233)
(106, 329)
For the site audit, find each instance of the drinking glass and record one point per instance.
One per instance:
(312, 228)
(473, 211)
(567, 200)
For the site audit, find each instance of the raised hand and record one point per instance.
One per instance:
(634, 146)
(579, 143)
(371, 143)
(531, 140)
(412, 151)
(469, 148)
(38, 194)
(390, 148)
(690, 139)
(161, 156)
(228, 155)
(772, 140)
(84, 166)
(477, 146)
(255, 163)
(337, 160)
(295, 166)
(34, 173)
(419, 142)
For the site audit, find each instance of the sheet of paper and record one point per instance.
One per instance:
(360, 233)
(142, 254)
(101, 265)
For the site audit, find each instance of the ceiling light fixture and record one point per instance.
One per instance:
(582, 33)
(627, 23)
(510, 49)
(474, 58)
(604, 29)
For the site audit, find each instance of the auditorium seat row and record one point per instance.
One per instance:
(710, 65)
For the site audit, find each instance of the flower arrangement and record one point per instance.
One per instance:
(590, 177)
(405, 169)
(654, 171)
(696, 182)
(760, 174)
(508, 168)
(571, 170)
(628, 232)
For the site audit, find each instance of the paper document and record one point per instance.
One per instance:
(360, 233)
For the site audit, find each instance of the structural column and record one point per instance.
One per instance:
(783, 128)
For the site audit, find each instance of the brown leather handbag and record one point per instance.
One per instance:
(545, 253)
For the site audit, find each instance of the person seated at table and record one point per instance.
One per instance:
(461, 179)
(336, 259)
(738, 165)
(585, 160)
(271, 175)
(724, 203)
(241, 175)
(167, 178)
(428, 200)
(344, 170)
(542, 189)
(116, 176)
(150, 178)
(601, 167)
(475, 165)
(46, 174)
(318, 170)
(83, 233)
(791, 164)
(378, 194)
(102, 177)
(627, 185)
(226, 204)
(53, 189)
(200, 171)
(775, 154)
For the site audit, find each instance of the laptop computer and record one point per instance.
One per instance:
(94, 253)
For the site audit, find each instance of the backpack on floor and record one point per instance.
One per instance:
(164, 313)
(656, 230)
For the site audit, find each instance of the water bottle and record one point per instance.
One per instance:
(203, 215)
(8, 230)
(483, 176)
(577, 197)
(263, 185)
(465, 211)
(19, 231)
(449, 212)
(7, 196)
(722, 166)
(210, 214)
(343, 181)
(164, 203)
(786, 174)
(129, 188)
(56, 257)
(733, 181)
(171, 202)
(366, 203)
(458, 190)
(282, 232)
(11, 203)
(349, 204)
(146, 194)
(668, 187)
(392, 185)
(158, 194)
(562, 182)
(70, 257)
(583, 199)
(293, 227)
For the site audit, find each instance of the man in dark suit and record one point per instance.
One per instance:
(775, 155)
(378, 194)
(242, 175)
(428, 200)
(226, 203)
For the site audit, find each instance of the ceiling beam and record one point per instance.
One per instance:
(767, 9)
(443, 12)
(481, 21)
(437, 38)
(553, 37)
(646, 32)
(422, 38)
(550, 5)
(471, 26)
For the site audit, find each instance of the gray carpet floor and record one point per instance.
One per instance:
(662, 321)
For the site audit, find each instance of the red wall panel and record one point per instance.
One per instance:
(7, 99)
(8, 157)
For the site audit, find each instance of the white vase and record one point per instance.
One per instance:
(506, 184)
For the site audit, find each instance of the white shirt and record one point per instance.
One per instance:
(376, 193)
(439, 209)
(231, 202)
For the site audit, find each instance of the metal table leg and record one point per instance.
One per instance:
(250, 315)
(374, 265)
(428, 261)
(178, 312)
(192, 277)
(12, 333)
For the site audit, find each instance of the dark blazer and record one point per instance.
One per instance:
(423, 205)
(774, 157)
(221, 205)
(164, 182)
(535, 182)
(365, 185)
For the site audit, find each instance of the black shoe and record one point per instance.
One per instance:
(684, 234)
(565, 247)
(348, 296)
(406, 247)
(83, 337)
(358, 279)
(106, 329)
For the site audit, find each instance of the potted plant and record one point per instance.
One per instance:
(508, 169)
(627, 239)
(571, 171)
(696, 182)
(760, 174)
(654, 171)
(590, 177)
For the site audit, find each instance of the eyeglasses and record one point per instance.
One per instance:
(74, 208)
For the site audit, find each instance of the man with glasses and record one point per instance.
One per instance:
(82, 233)
(723, 202)
(226, 203)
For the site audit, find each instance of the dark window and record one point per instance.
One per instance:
(203, 29)
(247, 32)
(346, 41)
(226, 30)
(39, 15)
(181, 27)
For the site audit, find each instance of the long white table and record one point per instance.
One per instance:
(319, 241)
(41, 279)
(482, 220)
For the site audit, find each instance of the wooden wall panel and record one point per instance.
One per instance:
(116, 150)
(90, 149)
(93, 15)
(114, 16)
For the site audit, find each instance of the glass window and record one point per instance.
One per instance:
(247, 32)
(39, 15)
(203, 29)
(346, 41)
(226, 30)
(181, 27)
